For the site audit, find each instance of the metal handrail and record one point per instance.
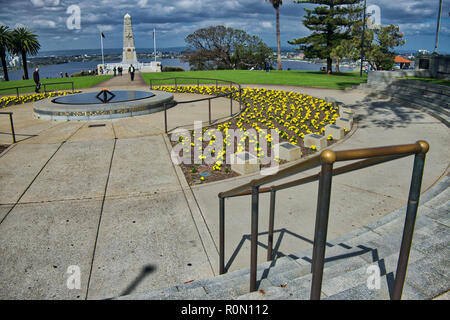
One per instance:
(172, 104)
(326, 160)
(193, 78)
(31, 86)
(12, 124)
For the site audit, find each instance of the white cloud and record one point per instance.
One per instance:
(41, 3)
(44, 23)
(105, 27)
(266, 24)
(142, 3)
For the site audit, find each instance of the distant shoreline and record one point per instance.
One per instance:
(54, 70)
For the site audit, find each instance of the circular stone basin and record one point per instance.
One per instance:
(85, 106)
(91, 97)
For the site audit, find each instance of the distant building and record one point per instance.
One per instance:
(402, 62)
(436, 65)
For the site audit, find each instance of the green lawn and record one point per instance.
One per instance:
(431, 80)
(293, 78)
(78, 82)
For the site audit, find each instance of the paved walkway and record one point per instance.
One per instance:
(109, 200)
(123, 81)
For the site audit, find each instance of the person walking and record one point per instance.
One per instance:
(114, 71)
(131, 71)
(36, 80)
(120, 69)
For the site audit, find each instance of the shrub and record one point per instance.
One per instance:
(172, 69)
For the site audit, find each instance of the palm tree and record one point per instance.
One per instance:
(276, 4)
(24, 42)
(5, 44)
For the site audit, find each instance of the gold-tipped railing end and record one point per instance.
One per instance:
(328, 156)
(424, 146)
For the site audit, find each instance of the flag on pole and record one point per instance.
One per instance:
(102, 34)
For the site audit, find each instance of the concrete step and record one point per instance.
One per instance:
(435, 88)
(426, 275)
(440, 100)
(421, 104)
(438, 113)
(441, 105)
(347, 259)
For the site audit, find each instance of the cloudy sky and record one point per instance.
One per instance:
(58, 27)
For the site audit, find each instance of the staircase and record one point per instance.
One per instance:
(430, 98)
(346, 264)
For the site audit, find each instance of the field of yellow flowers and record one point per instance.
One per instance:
(13, 100)
(292, 115)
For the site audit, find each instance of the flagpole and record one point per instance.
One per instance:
(438, 27)
(154, 42)
(101, 41)
(362, 39)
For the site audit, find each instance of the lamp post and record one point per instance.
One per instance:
(362, 39)
(438, 26)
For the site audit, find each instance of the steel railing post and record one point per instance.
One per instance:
(320, 235)
(209, 111)
(254, 238)
(271, 225)
(411, 213)
(165, 117)
(240, 98)
(221, 235)
(12, 127)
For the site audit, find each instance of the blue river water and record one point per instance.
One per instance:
(53, 71)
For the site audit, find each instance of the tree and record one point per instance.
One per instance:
(5, 45)
(24, 42)
(380, 53)
(218, 47)
(329, 23)
(379, 44)
(276, 4)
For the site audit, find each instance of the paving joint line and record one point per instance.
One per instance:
(192, 215)
(100, 220)
(34, 179)
(12, 146)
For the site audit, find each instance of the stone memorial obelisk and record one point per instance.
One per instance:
(129, 51)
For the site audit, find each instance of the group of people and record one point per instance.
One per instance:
(131, 71)
(37, 81)
(119, 69)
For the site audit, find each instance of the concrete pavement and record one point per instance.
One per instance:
(109, 200)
